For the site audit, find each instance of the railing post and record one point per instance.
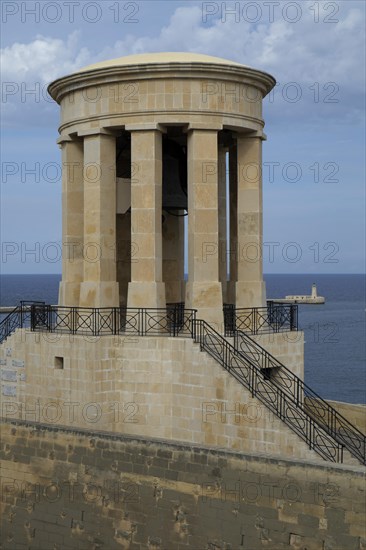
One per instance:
(194, 324)
(293, 323)
(252, 378)
(275, 318)
(49, 317)
(95, 310)
(114, 321)
(21, 315)
(270, 312)
(175, 320)
(32, 323)
(141, 316)
(227, 354)
(311, 434)
(74, 313)
(332, 421)
(280, 405)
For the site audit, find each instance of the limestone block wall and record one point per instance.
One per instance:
(66, 488)
(148, 386)
(287, 347)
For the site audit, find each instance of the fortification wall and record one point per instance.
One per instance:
(64, 489)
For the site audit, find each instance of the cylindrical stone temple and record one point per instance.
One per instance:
(161, 159)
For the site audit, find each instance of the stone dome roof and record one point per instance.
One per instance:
(160, 65)
(160, 57)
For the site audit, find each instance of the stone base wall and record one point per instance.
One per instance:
(287, 347)
(64, 489)
(147, 386)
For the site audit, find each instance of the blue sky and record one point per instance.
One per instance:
(314, 168)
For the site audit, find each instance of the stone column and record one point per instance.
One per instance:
(72, 221)
(173, 256)
(222, 221)
(250, 287)
(146, 288)
(203, 289)
(100, 287)
(233, 224)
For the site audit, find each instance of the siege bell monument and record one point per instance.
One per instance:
(145, 140)
(158, 415)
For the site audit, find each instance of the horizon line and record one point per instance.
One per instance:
(345, 273)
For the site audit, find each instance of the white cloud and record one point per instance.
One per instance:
(27, 69)
(304, 52)
(43, 59)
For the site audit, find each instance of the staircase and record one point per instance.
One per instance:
(324, 430)
(20, 317)
(303, 396)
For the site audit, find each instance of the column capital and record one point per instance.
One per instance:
(67, 138)
(97, 132)
(204, 126)
(258, 134)
(63, 139)
(145, 127)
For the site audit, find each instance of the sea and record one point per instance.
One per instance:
(335, 348)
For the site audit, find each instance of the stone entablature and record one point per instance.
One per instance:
(194, 89)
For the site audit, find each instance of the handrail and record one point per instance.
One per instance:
(18, 318)
(172, 321)
(10, 323)
(320, 410)
(280, 403)
(316, 422)
(273, 318)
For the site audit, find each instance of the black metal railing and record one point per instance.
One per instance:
(307, 414)
(20, 317)
(169, 321)
(273, 318)
(273, 397)
(303, 396)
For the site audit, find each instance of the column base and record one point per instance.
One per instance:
(146, 294)
(68, 294)
(230, 292)
(250, 294)
(206, 297)
(183, 286)
(173, 290)
(99, 294)
(224, 292)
